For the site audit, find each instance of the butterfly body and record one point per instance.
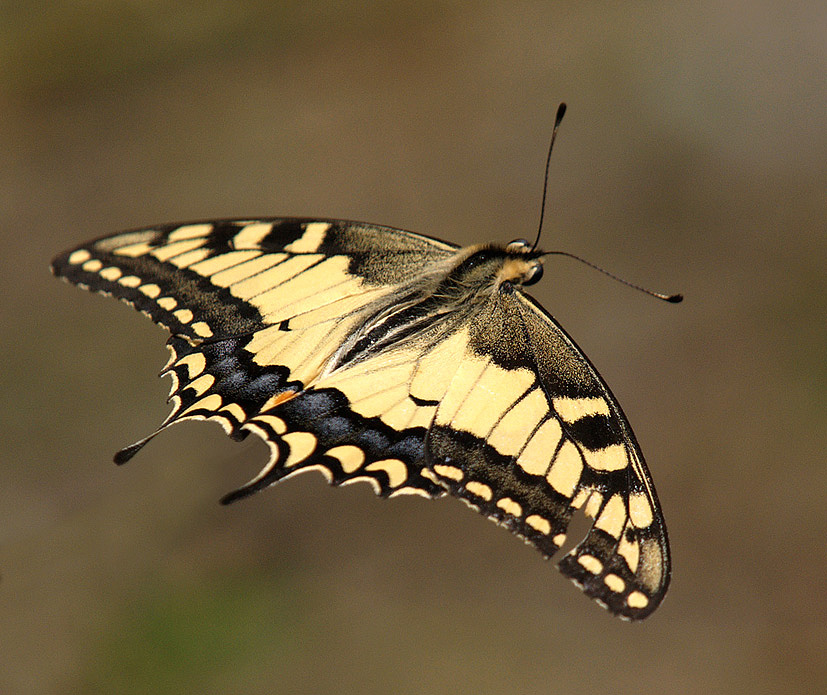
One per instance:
(379, 355)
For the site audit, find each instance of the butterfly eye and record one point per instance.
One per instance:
(518, 246)
(534, 274)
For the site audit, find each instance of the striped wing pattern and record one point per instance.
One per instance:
(340, 345)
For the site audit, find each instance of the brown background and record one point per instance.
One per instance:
(692, 159)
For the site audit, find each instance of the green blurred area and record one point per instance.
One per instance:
(693, 159)
(172, 641)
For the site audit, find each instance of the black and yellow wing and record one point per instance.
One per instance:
(375, 354)
(256, 308)
(528, 433)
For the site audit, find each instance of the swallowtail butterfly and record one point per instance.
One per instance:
(375, 354)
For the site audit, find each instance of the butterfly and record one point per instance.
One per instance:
(375, 354)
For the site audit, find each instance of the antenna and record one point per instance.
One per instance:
(561, 111)
(672, 298)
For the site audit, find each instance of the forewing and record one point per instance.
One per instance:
(528, 433)
(256, 309)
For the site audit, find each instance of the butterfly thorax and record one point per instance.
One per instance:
(430, 306)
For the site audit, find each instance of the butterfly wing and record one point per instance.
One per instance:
(255, 309)
(527, 433)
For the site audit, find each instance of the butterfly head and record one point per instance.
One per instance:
(489, 267)
(523, 265)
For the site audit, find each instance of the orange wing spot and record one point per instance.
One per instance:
(280, 398)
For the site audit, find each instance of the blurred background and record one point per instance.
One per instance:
(693, 159)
